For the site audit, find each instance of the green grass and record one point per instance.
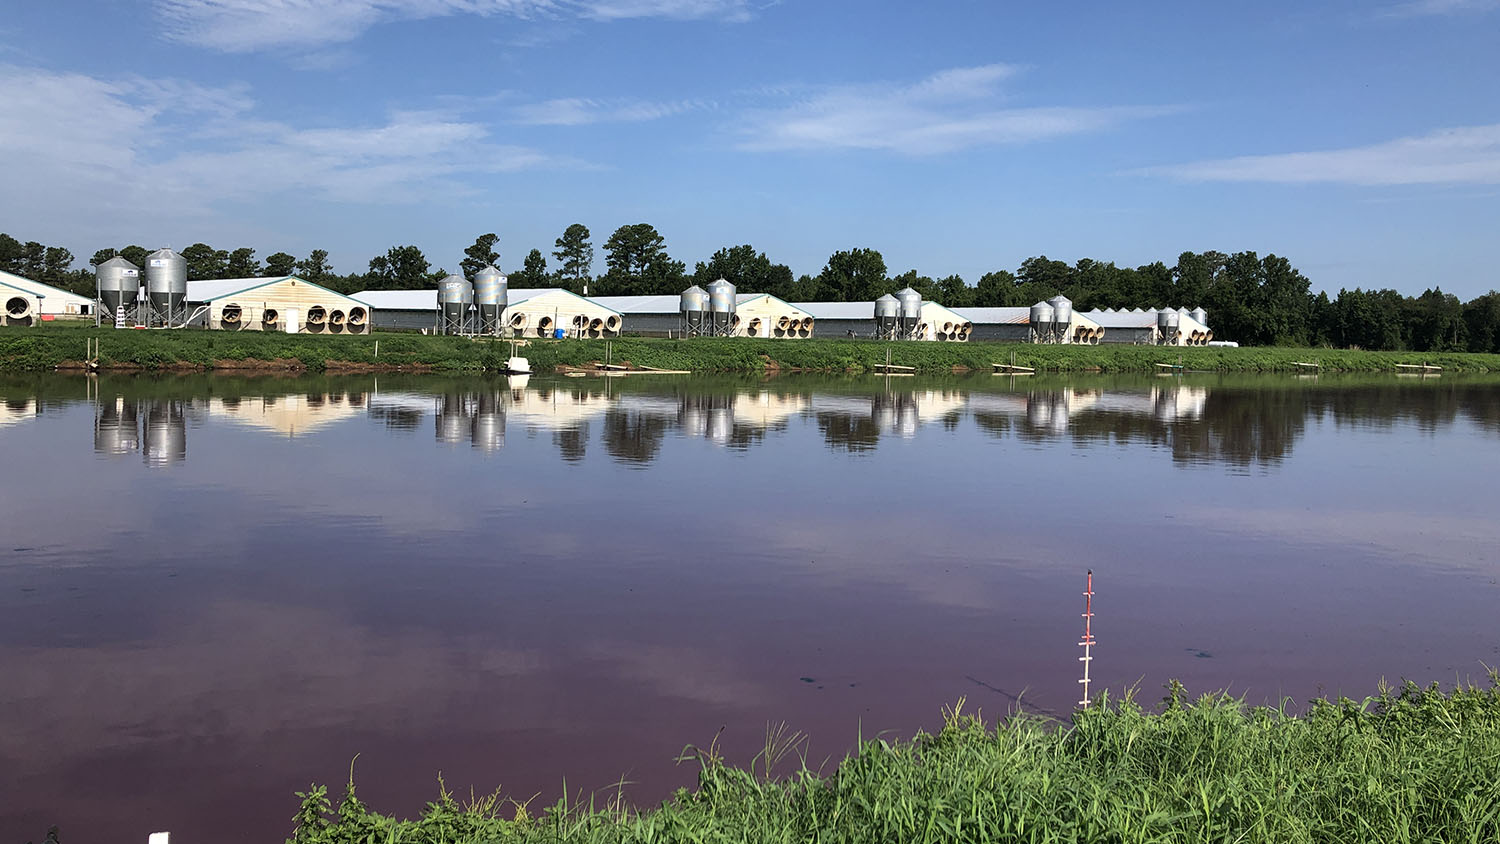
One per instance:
(46, 347)
(1418, 764)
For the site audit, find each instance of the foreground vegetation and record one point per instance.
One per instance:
(46, 348)
(1413, 765)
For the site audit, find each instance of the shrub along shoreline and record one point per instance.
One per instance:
(63, 347)
(1413, 764)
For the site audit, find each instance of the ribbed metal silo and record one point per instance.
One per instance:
(1167, 323)
(721, 306)
(490, 291)
(694, 309)
(1062, 311)
(119, 283)
(166, 286)
(910, 313)
(455, 295)
(1042, 322)
(1201, 316)
(887, 315)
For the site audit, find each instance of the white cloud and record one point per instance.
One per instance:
(577, 112)
(170, 150)
(950, 110)
(250, 25)
(1463, 155)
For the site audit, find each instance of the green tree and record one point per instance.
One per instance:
(748, 270)
(242, 264)
(103, 255)
(315, 267)
(920, 283)
(954, 292)
(639, 264)
(280, 264)
(1192, 277)
(1437, 322)
(1482, 320)
(857, 275)
(400, 268)
(205, 262)
(10, 254)
(482, 254)
(533, 272)
(575, 257)
(136, 255)
(996, 290)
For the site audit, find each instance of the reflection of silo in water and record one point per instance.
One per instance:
(488, 429)
(692, 415)
(906, 418)
(720, 422)
(1166, 405)
(116, 428)
(166, 433)
(453, 422)
(1039, 410)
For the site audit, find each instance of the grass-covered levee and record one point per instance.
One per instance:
(1414, 764)
(67, 345)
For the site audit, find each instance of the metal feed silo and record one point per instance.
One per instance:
(910, 313)
(694, 309)
(166, 286)
(1200, 315)
(1042, 319)
(1062, 314)
(490, 292)
(887, 316)
(119, 283)
(455, 295)
(1166, 327)
(721, 305)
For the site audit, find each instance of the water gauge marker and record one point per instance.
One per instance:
(1088, 638)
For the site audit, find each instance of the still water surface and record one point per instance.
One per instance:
(216, 590)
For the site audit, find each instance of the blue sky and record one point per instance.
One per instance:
(1360, 140)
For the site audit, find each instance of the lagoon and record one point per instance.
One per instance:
(214, 590)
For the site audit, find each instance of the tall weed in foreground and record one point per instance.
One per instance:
(1408, 764)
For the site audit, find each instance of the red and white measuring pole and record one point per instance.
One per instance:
(1088, 638)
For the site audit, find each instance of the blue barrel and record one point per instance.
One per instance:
(558, 334)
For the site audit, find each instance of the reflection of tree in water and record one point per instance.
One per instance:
(1242, 428)
(633, 438)
(572, 441)
(849, 432)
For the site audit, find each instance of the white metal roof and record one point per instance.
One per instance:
(56, 295)
(661, 304)
(992, 316)
(209, 290)
(426, 300)
(1121, 319)
(838, 310)
(22, 290)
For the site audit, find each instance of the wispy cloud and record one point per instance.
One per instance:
(1428, 8)
(189, 148)
(947, 111)
(577, 112)
(1464, 155)
(239, 26)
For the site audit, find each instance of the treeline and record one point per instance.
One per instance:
(1252, 299)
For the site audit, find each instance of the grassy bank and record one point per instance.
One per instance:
(50, 347)
(1418, 764)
